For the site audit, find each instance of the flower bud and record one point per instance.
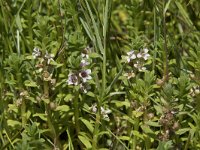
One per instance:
(52, 105)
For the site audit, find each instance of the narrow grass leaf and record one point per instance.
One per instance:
(97, 35)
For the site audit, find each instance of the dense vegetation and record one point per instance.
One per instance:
(100, 74)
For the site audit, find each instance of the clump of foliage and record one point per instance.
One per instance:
(99, 74)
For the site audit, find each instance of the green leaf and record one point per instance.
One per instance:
(88, 125)
(32, 99)
(85, 141)
(91, 94)
(158, 109)
(168, 145)
(136, 133)
(88, 31)
(13, 123)
(147, 129)
(182, 131)
(96, 30)
(95, 55)
(18, 22)
(153, 124)
(184, 13)
(30, 57)
(137, 113)
(11, 82)
(30, 83)
(12, 107)
(46, 100)
(70, 140)
(41, 116)
(167, 6)
(124, 138)
(68, 97)
(121, 103)
(103, 132)
(10, 94)
(57, 65)
(64, 108)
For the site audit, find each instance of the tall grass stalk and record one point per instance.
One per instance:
(165, 53)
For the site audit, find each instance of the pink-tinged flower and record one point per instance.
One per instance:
(72, 79)
(36, 53)
(131, 56)
(85, 75)
(84, 63)
(139, 66)
(143, 54)
(49, 57)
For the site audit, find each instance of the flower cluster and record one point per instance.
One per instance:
(43, 63)
(37, 53)
(104, 112)
(81, 77)
(138, 58)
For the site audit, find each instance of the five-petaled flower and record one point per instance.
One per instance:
(85, 75)
(104, 112)
(139, 66)
(84, 63)
(72, 79)
(143, 54)
(131, 56)
(36, 53)
(49, 57)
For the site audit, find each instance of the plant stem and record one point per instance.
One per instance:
(49, 119)
(155, 35)
(23, 105)
(76, 113)
(136, 127)
(23, 112)
(104, 75)
(96, 129)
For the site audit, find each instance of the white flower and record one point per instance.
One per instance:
(131, 56)
(72, 79)
(36, 53)
(84, 63)
(139, 66)
(84, 55)
(104, 112)
(85, 52)
(85, 87)
(94, 108)
(49, 57)
(129, 75)
(143, 54)
(85, 75)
